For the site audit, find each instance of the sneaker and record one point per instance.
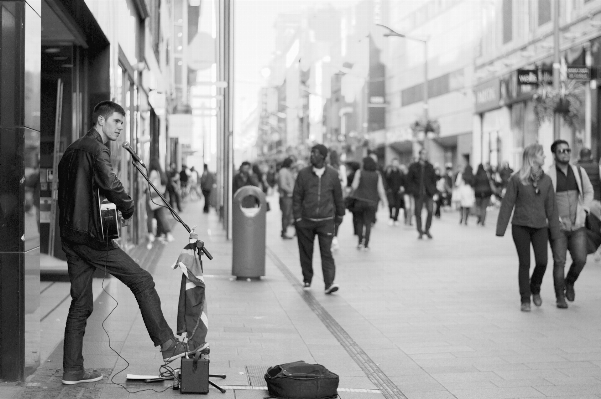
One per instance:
(570, 293)
(561, 303)
(537, 299)
(170, 237)
(174, 350)
(334, 243)
(396, 223)
(525, 307)
(87, 376)
(306, 285)
(286, 237)
(360, 246)
(390, 222)
(149, 245)
(428, 235)
(150, 237)
(366, 249)
(332, 288)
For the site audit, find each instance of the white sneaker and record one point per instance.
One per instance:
(148, 245)
(150, 237)
(335, 244)
(390, 222)
(396, 223)
(331, 289)
(170, 237)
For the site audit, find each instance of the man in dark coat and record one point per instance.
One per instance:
(421, 183)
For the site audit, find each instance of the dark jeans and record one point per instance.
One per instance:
(174, 197)
(394, 204)
(575, 242)
(420, 201)
(82, 262)
(306, 231)
(366, 212)
(207, 195)
(522, 237)
(286, 208)
(482, 204)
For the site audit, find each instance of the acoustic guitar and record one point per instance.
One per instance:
(110, 219)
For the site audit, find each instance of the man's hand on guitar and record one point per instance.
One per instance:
(124, 222)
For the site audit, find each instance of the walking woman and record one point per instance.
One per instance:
(467, 198)
(367, 189)
(341, 168)
(154, 204)
(483, 189)
(531, 197)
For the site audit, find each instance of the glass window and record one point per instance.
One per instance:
(544, 12)
(507, 21)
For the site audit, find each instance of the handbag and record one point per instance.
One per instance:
(300, 380)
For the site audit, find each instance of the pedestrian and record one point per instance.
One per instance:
(505, 173)
(592, 170)
(341, 168)
(183, 181)
(440, 189)
(483, 189)
(531, 197)
(573, 194)
(286, 187)
(465, 193)
(394, 183)
(243, 178)
(207, 183)
(155, 209)
(318, 206)
(421, 182)
(368, 189)
(194, 183)
(408, 204)
(173, 187)
(84, 174)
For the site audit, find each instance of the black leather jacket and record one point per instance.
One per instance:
(85, 169)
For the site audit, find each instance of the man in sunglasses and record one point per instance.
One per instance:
(573, 194)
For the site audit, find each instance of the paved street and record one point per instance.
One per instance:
(413, 318)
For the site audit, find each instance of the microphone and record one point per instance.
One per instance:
(134, 156)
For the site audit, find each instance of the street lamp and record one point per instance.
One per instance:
(393, 33)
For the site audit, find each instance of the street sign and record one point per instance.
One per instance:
(579, 73)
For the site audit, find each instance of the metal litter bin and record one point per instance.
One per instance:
(249, 211)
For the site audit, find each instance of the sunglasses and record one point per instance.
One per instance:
(564, 151)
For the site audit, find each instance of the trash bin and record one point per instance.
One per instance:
(249, 210)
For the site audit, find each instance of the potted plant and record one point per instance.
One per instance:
(567, 101)
(426, 126)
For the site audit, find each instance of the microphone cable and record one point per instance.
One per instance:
(165, 371)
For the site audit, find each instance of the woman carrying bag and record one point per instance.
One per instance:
(368, 188)
(155, 209)
(483, 188)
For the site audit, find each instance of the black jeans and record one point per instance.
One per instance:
(82, 262)
(366, 212)
(420, 201)
(207, 195)
(394, 204)
(174, 198)
(286, 208)
(522, 237)
(306, 231)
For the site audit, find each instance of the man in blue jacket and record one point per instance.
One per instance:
(317, 206)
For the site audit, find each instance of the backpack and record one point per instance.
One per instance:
(300, 380)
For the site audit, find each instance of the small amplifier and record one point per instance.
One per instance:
(194, 375)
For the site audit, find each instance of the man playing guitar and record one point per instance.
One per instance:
(84, 173)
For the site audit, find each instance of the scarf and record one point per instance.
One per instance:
(536, 176)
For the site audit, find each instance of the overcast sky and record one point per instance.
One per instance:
(255, 43)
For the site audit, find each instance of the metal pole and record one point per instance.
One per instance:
(556, 66)
(426, 116)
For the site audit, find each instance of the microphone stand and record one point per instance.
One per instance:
(199, 244)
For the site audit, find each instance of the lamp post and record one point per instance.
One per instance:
(393, 33)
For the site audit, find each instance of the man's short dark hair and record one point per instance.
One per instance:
(245, 163)
(106, 109)
(585, 153)
(556, 143)
(287, 162)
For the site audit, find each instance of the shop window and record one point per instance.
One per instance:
(507, 21)
(544, 12)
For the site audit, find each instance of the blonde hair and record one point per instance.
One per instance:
(530, 154)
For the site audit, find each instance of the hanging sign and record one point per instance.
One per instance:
(579, 73)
